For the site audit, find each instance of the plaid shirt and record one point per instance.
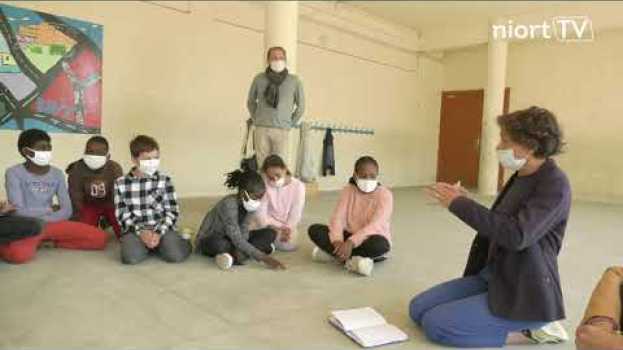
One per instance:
(146, 203)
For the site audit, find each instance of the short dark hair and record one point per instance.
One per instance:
(365, 160)
(142, 144)
(98, 139)
(273, 161)
(276, 48)
(28, 138)
(535, 128)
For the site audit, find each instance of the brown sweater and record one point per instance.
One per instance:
(92, 186)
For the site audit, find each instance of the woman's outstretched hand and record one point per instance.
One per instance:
(445, 193)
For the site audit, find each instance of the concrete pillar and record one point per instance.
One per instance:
(281, 29)
(281, 23)
(493, 106)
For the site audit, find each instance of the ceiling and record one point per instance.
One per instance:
(428, 17)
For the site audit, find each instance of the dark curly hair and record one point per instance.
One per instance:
(245, 180)
(535, 128)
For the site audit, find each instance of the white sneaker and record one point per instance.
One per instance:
(319, 255)
(224, 261)
(186, 233)
(551, 333)
(285, 246)
(189, 235)
(360, 265)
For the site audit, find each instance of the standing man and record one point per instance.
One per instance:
(276, 103)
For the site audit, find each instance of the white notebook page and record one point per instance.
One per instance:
(358, 318)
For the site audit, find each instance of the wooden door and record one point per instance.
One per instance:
(459, 137)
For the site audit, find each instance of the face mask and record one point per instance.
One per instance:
(278, 66)
(280, 182)
(149, 166)
(249, 204)
(507, 158)
(41, 158)
(94, 162)
(367, 186)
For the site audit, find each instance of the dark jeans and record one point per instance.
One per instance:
(13, 228)
(373, 247)
(214, 245)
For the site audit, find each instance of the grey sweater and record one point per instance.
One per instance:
(289, 110)
(229, 220)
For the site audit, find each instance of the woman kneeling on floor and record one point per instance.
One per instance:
(510, 292)
(359, 230)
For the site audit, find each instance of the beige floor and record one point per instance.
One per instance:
(88, 300)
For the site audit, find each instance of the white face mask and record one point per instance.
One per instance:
(249, 204)
(506, 157)
(279, 183)
(149, 166)
(94, 162)
(278, 66)
(41, 158)
(367, 186)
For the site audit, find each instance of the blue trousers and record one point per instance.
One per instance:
(456, 313)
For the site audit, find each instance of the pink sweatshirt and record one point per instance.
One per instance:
(362, 214)
(283, 206)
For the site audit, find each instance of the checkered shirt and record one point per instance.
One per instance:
(146, 203)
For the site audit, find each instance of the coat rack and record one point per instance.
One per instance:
(338, 128)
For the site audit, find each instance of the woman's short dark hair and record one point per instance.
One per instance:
(535, 128)
(28, 138)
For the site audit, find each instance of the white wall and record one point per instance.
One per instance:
(183, 78)
(581, 83)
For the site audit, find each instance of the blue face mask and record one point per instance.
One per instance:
(506, 157)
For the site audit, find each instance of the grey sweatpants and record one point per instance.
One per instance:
(172, 248)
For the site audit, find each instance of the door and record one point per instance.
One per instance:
(459, 137)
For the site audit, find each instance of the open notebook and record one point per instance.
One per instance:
(366, 327)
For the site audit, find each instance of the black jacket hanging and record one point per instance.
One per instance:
(328, 154)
